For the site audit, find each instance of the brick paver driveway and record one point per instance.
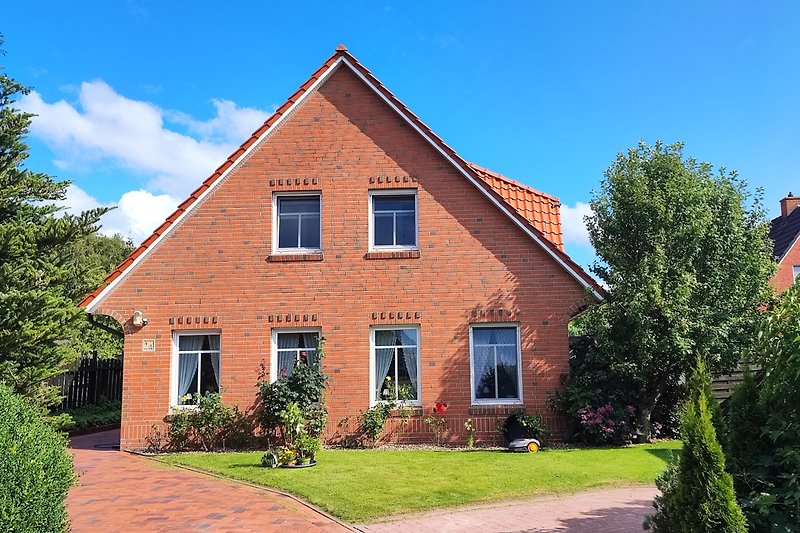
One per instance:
(118, 491)
(619, 510)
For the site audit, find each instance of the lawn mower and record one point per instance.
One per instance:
(524, 445)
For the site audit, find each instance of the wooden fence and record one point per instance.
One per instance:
(90, 381)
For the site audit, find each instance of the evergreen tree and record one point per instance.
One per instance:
(703, 500)
(37, 312)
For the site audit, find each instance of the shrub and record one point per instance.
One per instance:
(211, 425)
(593, 385)
(469, 428)
(35, 469)
(745, 442)
(664, 520)
(373, 421)
(88, 416)
(305, 386)
(703, 500)
(524, 426)
(300, 446)
(436, 422)
(769, 487)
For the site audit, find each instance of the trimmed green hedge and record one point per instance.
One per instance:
(35, 469)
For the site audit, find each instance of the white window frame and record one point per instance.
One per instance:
(393, 327)
(173, 379)
(273, 359)
(276, 221)
(392, 192)
(495, 401)
(795, 273)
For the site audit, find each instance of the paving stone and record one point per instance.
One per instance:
(120, 492)
(617, 510)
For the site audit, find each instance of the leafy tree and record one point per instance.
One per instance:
(90, 259)
(686, 261)
(37, 312)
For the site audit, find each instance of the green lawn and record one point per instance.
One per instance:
(363, 485)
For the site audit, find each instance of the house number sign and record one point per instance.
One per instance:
(149, 345)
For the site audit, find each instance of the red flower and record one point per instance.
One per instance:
(439, 408)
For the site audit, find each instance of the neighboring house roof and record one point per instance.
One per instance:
(784, 231)
(535, 212)
(540, 209)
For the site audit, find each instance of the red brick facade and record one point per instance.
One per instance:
(213, 271)
(784, 276)
(784, 231)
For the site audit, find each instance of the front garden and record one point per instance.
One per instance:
(365, 485)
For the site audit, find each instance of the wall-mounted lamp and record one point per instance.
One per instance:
(139, 319)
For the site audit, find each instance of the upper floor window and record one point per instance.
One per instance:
(795, 272)
(298, 223)
(495, 361)
(197, 369)
(393, 219)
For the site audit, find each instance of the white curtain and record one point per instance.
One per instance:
(286, 358)
(311, 341)
(213, 344)
(482, 365)
(383, 360)
(410, 356)
(187, 362)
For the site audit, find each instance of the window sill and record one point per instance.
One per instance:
(302, 256)
(415, 408)
(393, 254)
(495, 408)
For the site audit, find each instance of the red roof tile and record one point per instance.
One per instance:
(538, 208)
(539, 211)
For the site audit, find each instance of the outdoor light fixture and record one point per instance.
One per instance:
(139, 319)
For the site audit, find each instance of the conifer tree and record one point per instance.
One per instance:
(704, 500)
(37, 313)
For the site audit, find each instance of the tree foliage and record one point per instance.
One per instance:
(37, 312)
(686, 257)
(89, 260)
(765, 423)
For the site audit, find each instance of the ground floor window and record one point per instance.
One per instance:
(198, 366)
(395, 356)
(294, 346)
(495, 364)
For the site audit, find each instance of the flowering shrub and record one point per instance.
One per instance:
(469, 427)
(607, 424)
(436, 421)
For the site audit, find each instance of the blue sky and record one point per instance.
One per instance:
(138, 101)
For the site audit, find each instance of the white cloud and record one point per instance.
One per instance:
(573, 225)
(232, 123)
(136, 215)
(132, 134)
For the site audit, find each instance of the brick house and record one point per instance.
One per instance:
(343, 215)
(785, 233)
